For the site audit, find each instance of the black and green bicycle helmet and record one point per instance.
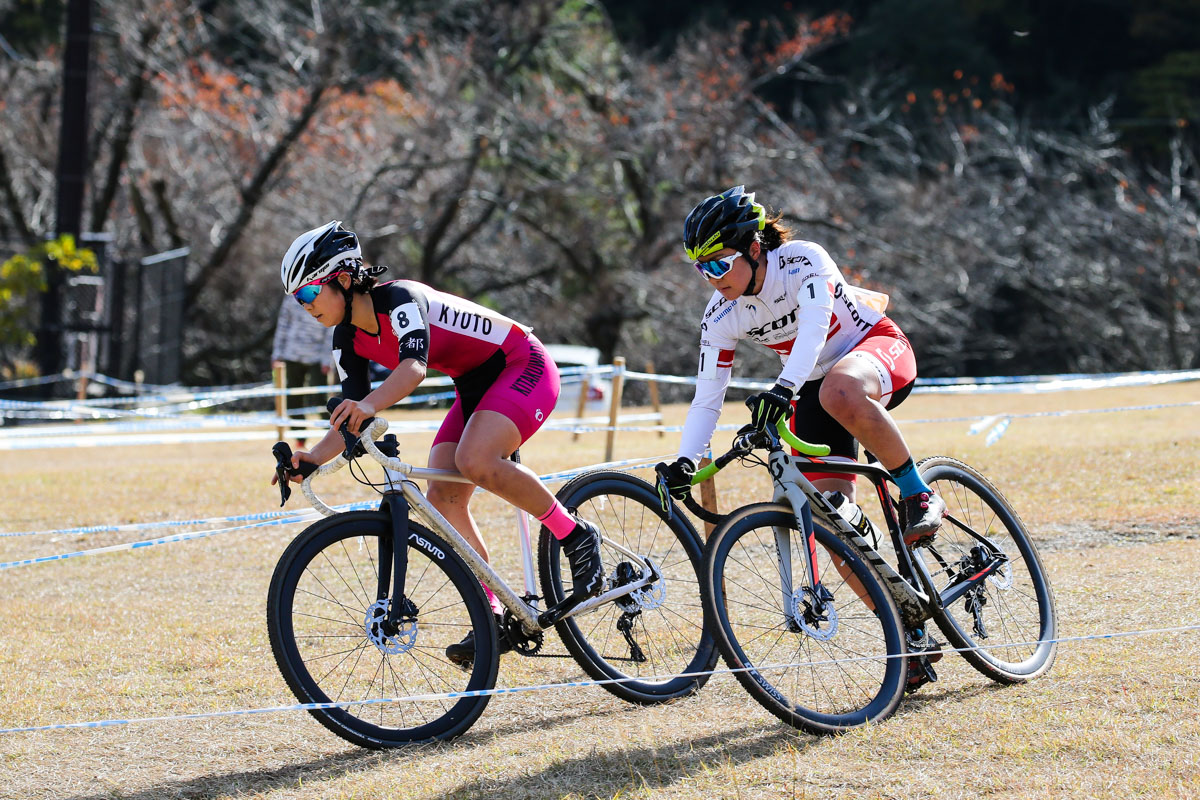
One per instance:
(729, 219)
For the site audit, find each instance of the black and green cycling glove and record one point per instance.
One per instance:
(767, 408)
(674, 480)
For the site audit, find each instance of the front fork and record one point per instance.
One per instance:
(393, 565)
(816, 596)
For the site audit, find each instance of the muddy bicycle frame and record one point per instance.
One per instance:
(403, 496)
(911, 585)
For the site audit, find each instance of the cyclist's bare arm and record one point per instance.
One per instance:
(406, 377)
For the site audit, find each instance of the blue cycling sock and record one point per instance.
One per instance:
(909, 480)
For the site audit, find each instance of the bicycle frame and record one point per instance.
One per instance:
(793, 488)
(911, 585)
(403, 495)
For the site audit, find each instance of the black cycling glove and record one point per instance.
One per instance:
(675, 480)
(767, 408)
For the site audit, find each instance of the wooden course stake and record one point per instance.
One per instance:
(279, 378)
(615, 409)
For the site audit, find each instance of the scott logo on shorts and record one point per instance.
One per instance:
(895, 351)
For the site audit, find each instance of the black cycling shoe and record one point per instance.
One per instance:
(463, 653)
(921, 515)
(922, 654)
(582, 547)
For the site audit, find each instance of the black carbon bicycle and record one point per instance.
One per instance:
(363, 604)
(819, 626)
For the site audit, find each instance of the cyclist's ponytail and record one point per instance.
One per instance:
(774, 233)
(366, 278)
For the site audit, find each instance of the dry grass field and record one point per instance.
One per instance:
(1113, 500)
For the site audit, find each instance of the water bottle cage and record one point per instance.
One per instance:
(854, 516)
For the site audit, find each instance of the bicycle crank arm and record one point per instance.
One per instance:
(557, 612)
(959, 589)
(570, 605)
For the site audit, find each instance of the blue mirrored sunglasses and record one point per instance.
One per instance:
(309, 291)
(715, 269)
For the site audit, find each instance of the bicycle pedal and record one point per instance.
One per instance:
(920, 672)
(920, 539)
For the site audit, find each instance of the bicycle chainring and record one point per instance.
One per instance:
(521, 642)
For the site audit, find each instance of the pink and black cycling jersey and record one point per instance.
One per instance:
(805, 312)
(444, 332)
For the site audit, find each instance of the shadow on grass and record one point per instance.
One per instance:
(330, 767)
(253, 781)
(646, 768)
(668, 764)
(931, 694)
(651, 768)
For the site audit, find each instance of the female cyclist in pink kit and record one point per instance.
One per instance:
(506, 386)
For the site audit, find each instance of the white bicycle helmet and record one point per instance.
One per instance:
(317, 253)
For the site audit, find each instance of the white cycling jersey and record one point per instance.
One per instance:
(805, 312)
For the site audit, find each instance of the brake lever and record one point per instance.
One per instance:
(353, 444)
(664, 495)
(284, 469)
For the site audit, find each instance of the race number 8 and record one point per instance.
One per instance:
(406, 318)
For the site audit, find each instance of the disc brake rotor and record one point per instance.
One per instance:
(823, 626)
(1002, 578)
(401, 641)
(648, 597)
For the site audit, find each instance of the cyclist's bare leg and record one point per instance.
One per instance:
(851, 393)
(483, 457)
(451, 499)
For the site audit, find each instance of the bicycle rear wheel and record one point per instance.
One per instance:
(822, 676)
(324, 623)
(649, 639)
(1016, 604)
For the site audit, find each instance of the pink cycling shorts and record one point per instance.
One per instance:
(521, 383)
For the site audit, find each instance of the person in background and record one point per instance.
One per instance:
(302, 348)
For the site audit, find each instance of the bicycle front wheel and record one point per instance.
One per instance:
(1008, 620)
(327, 631)
(821, 669)
(651, 640)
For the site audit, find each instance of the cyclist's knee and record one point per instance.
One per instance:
(482, 469)
(844, 396)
